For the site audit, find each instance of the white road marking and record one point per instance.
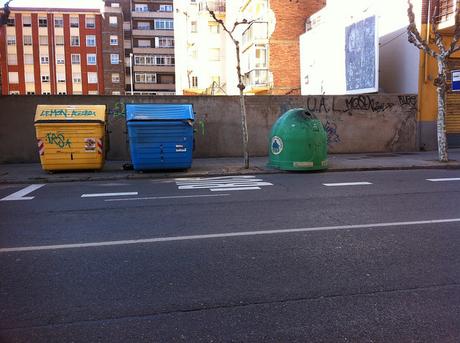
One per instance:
(170, 197)
(222, 183)
(445, 179)
(347, 184)
(95, 195)
(226, 235)
(20, 194)
(234, 189)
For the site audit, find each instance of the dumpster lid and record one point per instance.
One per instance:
(67, 113)
(159, 112)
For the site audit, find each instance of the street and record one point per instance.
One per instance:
(298, 257)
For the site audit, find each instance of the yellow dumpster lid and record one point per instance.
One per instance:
(65, 113)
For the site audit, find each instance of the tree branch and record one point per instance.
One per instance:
(457, 29)
(414, 36)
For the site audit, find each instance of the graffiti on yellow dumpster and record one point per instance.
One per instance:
(58, 139)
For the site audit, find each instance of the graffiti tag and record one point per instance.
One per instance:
(407, 100)
(58, 139)
(331, 130)
(67, 113)
(365, 103)
(118, 110)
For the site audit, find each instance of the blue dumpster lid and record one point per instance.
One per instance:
(159, 112)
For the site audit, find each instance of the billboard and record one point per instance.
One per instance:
(361, 57)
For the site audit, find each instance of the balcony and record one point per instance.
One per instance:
(218, 6)
(153, 33)
(157, 51)
(257, 78)
(152, 15)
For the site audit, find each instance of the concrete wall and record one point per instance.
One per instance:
(362, 123)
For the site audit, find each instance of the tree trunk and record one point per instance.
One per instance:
(244, 125)
(441, 122)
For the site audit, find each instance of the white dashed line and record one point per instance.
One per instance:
(445, 179)
(95, 195)
(347, 184)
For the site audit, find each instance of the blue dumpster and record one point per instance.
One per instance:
(160, 135)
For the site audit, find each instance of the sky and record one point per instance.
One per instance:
(55, 3)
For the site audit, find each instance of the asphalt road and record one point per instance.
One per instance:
(322, 257)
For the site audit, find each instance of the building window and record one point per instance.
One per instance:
(45, 92)
(30, 93)
(10, 22)
(14, 92)
(114, 58)
(141, 8)
(75, 58)
(145, 77)
(59, 40)
(76, 77)
(91, 59)
(90, 22)
(62, 93)
(93, 92)
(213, 27)
(26, 21)
(74, 41)
(166, 8)
(116, 93)
(42, 22)
(43, 40)
(30, 77)
(74, 22)
(194, 81)
(44, 60)
(164, 24)
(27, 40)
(214, 54)
(11, 40)
(45, 78)
(92, 78)
(113, 40)
(164, 60)
(90, 40)
(12, 59)
(143, 25)
(261, 56)
(115, 78)
(28, 59)
(60, 77)
(164, 42)
(193, 26)
(58, 22)
(60, 59)
(77, 92)
(113, 21)
(144, 43)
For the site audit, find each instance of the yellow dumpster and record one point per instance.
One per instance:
(71, 137)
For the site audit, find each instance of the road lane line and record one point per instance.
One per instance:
(445, 179)
(95, 195)
(346, 184)
(226, 235)
(169, 197)
(19, 195)
(234, 189)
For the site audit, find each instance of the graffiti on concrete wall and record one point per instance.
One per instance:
(408, 100)
(118, 110)
(363, 103)
(332, 134)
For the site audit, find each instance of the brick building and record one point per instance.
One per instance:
(52, 51)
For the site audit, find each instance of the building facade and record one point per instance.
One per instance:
(269, 45)
(113, 52)
(52, 51)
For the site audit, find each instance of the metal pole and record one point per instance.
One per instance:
(131, 71)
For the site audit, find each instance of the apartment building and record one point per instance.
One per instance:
(269, 45)
(113, 52)
(200, 48)
(52, 51)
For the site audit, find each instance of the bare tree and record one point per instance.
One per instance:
(441, 53)
(241, 85)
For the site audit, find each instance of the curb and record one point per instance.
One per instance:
(105, 176)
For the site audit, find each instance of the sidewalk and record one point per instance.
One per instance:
(113, 170)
